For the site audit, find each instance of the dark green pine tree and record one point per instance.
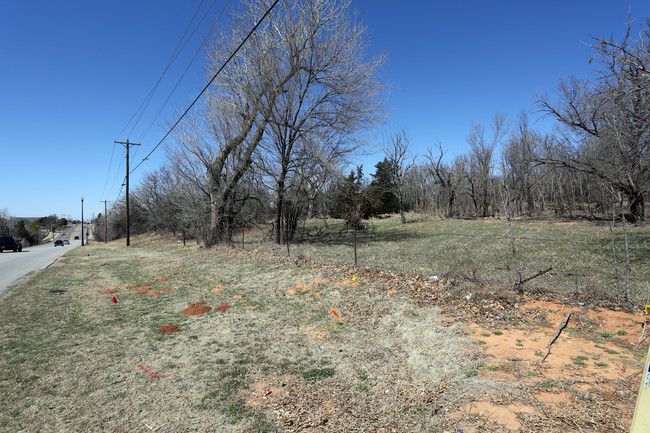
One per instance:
(381, 193)
(349, 202)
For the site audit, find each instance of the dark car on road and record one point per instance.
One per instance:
(10, 243)
(58, 242)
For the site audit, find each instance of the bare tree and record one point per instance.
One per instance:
(608, 118)
(520, 166)
(300, 77)
(316, 119)
(5, 225)
(481, 161)
(398, 155)
(446, 176)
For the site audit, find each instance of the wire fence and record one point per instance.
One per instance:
(585, 257)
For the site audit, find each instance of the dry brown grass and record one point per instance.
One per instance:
(277, 360)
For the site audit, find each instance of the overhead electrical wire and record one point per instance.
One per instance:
(110, 165)
(208, 84)
(173, 57)
(198, 51)
(182, 42)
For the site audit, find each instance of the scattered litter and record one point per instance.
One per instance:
(148, 426)
(114, 300)
(57, 292)
(433, 278)
(354, 278)
(89, 255)
(468, 296)
(336, 315)
(267, 392)
(103, 264)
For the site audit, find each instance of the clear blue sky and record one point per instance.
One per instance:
(72, 73)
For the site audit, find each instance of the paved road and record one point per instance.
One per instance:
(15, 267)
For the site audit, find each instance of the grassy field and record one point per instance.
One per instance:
(290, 345)
(479, 252)
(78, 362)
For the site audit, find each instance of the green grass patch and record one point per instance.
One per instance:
(580, 360)
(318, 374)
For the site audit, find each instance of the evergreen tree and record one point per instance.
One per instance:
(349, 202)
(381, 190)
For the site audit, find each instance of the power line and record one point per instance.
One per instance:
(205, 39)
(173, 57)
(209, 83)
(117, 172)
(108, 174)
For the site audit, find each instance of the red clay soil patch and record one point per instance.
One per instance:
(217, 288)
(291, 292)
(161, 279)
(149, 283)
(131, 286)
(109, 292)
(505, 415)
(140, 291)
(168, 329)
(594, 354)
(197, 308)
(223, 307)
(153, 294)
(166, 289)
(266, 392)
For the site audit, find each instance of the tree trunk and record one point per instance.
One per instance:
(277, 225)
(637, 207)
(450, 203)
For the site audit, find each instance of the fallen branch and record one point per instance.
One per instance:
(540, 273)
(557, 334)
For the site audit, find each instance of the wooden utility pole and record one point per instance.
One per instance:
(105, 222)
(128, 231)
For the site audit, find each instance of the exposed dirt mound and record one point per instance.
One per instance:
(197, 308)
(168, 329)
(222, 308)
(140, 291)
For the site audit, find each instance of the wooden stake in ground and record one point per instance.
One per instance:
(642, 337)
(557, 334)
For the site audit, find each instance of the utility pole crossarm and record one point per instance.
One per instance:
(127, 144)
